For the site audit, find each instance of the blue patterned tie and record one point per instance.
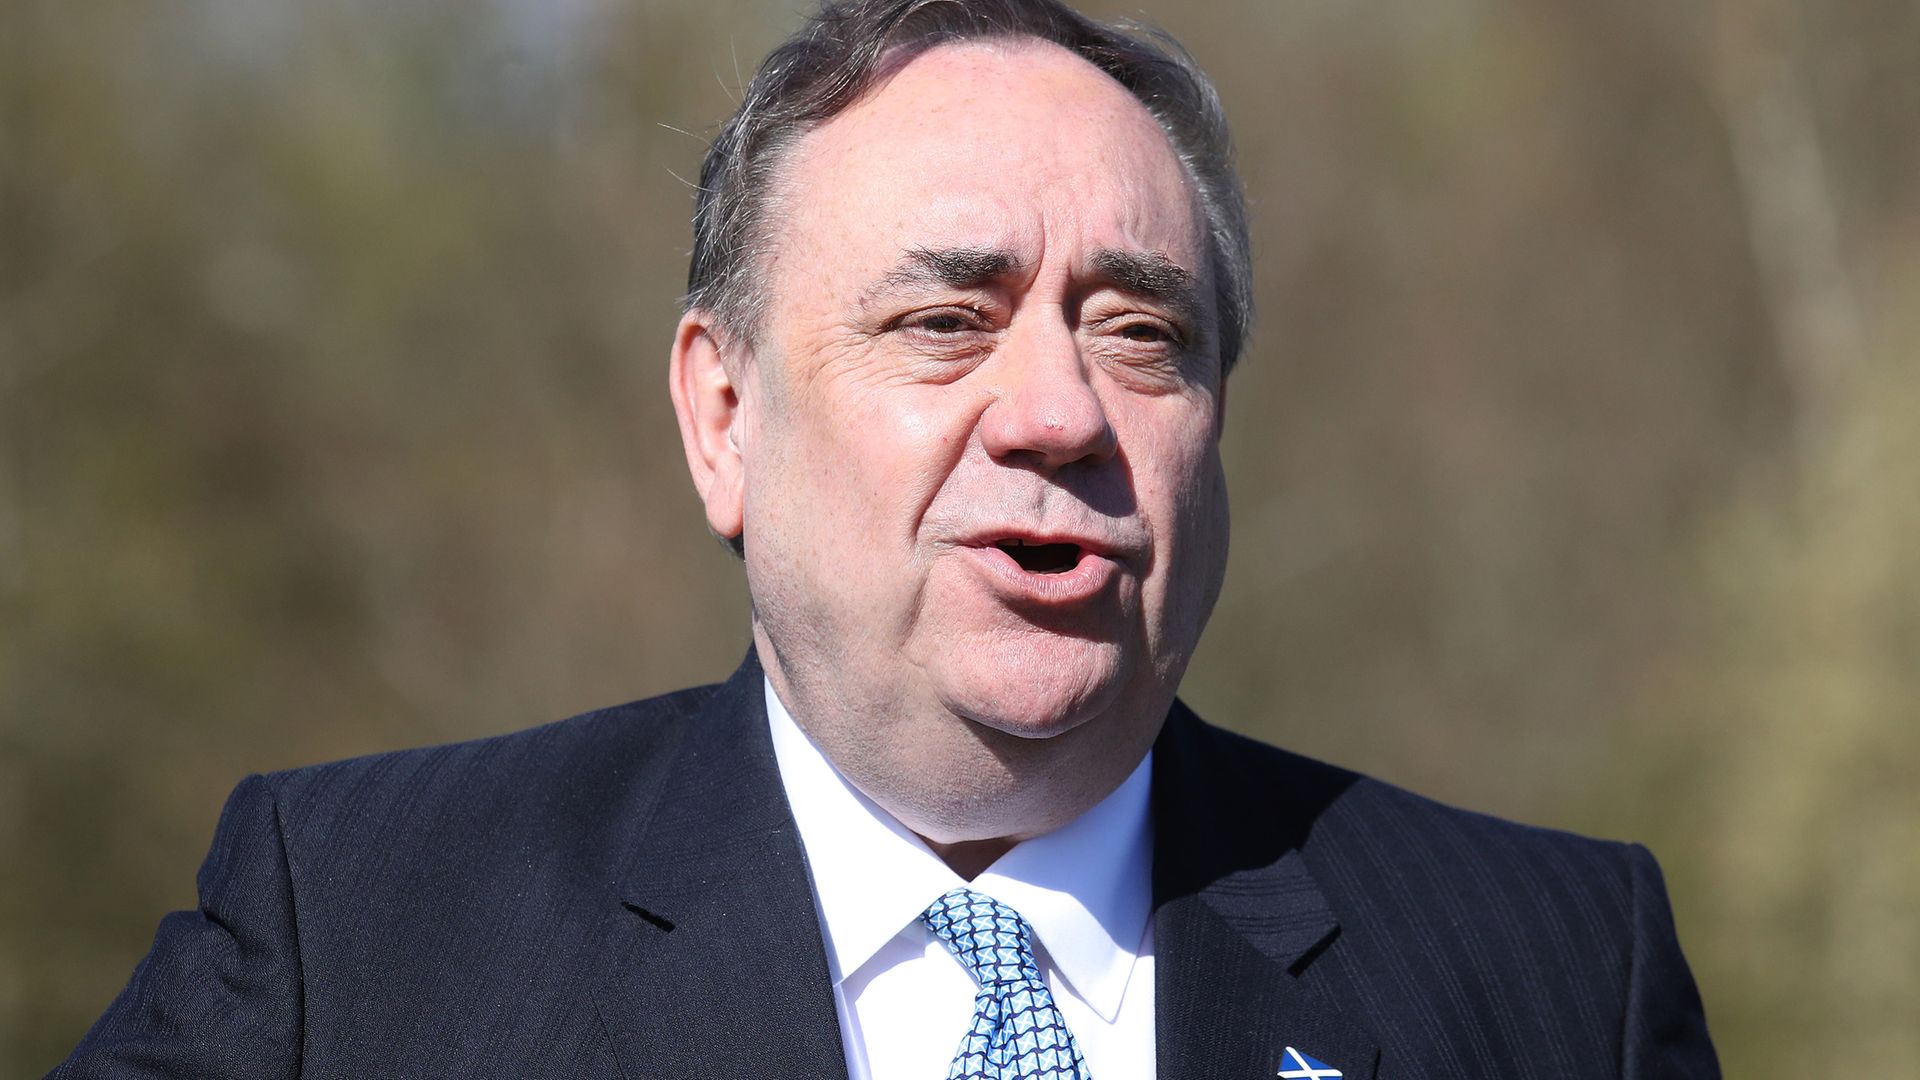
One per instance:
(1018, 1032)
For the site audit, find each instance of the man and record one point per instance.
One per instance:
(967, 283)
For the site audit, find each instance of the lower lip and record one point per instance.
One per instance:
(1087, 579)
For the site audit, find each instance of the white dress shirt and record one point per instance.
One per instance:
(904, 1001)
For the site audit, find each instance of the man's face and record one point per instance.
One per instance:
(980, 428)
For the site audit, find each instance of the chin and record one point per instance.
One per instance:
(1036, 693)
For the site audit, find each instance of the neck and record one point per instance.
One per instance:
(970, 858)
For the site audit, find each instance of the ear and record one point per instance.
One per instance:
(707, 401)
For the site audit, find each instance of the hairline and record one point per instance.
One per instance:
(753, 296)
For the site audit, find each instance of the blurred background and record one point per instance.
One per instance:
(1576, 461)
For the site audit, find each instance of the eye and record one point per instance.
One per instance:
(941, 322)
(1148, 331)
(952, 320)
(951, 339)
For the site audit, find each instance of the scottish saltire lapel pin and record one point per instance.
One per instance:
(1295, 1065)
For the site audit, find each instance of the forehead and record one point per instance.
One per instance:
(1009, 145)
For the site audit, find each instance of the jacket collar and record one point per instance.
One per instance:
(1240, 925)
(712, 958)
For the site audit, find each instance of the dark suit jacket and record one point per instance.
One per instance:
(624, 895)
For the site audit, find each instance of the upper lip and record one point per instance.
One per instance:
(1097, 545)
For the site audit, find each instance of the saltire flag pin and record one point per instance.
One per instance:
(1295, 1065)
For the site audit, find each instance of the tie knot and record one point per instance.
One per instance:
(989, 938)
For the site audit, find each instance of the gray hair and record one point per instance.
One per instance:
(848, 45)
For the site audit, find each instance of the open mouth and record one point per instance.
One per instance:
(1042, 558)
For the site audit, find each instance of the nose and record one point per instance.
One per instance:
(1046, 412)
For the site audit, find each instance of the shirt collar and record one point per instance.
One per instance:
(1085, 888)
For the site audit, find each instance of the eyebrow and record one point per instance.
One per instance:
(955, 268)
(1151, 275)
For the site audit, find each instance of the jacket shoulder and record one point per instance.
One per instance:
(1372, 822)
(1384, 830)
(1412, 876)
(562, 784)
(1448, 912)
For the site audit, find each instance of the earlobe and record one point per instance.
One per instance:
(707, 402)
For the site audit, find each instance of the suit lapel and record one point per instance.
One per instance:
(712, 962)
(1238, 920)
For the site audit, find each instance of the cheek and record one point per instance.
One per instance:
(864, 460)
(1199, 511)
(906, 437)
(1184, 484)
(1174, 455)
